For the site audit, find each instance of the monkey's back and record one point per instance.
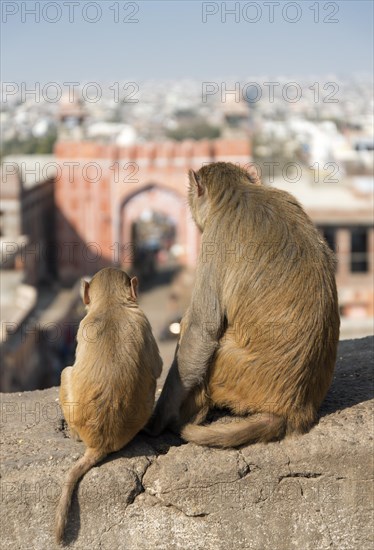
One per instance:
(281, 302)
(113, 407)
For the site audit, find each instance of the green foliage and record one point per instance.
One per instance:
(32, 146)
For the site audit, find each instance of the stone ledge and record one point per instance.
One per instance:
(304, 493)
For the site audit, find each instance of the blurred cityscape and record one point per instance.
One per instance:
(96, 175)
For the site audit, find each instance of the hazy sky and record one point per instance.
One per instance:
(170, 39)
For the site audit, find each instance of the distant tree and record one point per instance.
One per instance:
(194, 130)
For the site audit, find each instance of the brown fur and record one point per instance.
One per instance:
(266, 304)
(108, 395)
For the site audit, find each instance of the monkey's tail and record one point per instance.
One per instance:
(261, 427)
(88, 460)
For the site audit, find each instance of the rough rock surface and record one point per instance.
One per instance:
(308, 492)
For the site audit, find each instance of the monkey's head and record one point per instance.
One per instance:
(212, 183)
(110, 285)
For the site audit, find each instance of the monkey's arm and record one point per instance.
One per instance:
(202, 327)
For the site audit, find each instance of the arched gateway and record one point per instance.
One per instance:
(102, 191)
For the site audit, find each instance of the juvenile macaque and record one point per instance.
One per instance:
(261, 333)
(108, 395)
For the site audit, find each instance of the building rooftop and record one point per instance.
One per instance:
(338, 202)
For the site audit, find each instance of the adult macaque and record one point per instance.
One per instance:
(108, 395)
(260, 335)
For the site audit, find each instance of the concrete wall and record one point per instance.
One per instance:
(304, 493)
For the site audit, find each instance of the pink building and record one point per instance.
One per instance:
(101, 190)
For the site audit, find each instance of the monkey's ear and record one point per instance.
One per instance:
(195, 182)
(253, 175)
(86, 296)
(134, 289)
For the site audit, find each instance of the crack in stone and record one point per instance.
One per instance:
(291, 473)
(263, 498)
(142, 489)
(296, 476)
(249, 467)
(175, 507)
(213, 484)
(305, 475)
(139, 488)
(107, 531)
